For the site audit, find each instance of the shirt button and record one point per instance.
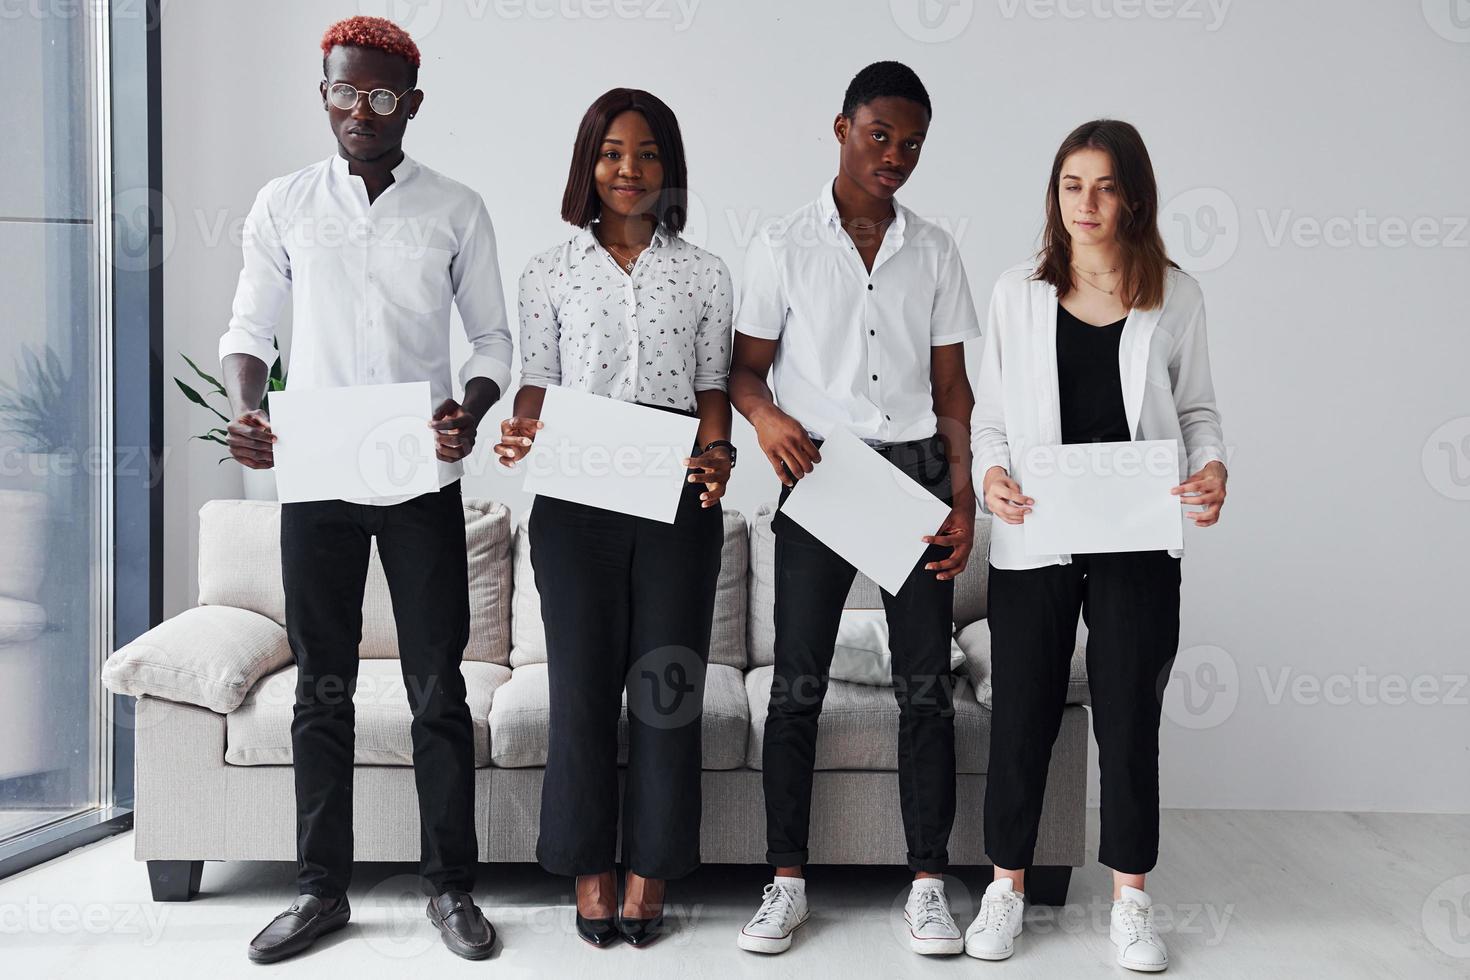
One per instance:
(870, 287)
(872, 333)
(875, 377)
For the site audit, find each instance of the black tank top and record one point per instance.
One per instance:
(1088, 382)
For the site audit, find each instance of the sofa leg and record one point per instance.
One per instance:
(174, 881)
(1046, 884)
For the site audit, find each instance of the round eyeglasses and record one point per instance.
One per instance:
(381, 100)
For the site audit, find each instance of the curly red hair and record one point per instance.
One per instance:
(371, 32)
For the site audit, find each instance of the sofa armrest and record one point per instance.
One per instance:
(210, 656)
(974, 640)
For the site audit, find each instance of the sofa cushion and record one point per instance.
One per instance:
(209, 655)
(727, 635)
(859, 726)
(240, 566)
(519, 720)
(259, 731)
(974, 640)
(969, 588)
(20, 621)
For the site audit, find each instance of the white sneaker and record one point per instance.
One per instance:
(783, 908)
(932, 931)
(1132, 931)
(992, 936)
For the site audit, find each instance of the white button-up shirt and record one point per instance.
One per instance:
(370, 284)
(655, 336)
(855, 346)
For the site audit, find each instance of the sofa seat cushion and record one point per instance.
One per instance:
(519, 720)
(859, 725)
(259, 731)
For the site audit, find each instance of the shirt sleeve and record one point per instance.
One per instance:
(475, 275)
(953, 319)
(263, 288)
(1194, 396)
(540, 329)
(712, 336)
(762, 301)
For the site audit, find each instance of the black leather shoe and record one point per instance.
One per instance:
(462, 925)
(641, 932)
(597, 932)
(295, 929)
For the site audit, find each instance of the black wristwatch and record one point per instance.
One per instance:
(722, 442)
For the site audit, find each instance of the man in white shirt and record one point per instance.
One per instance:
(371, 247)
(859, 309)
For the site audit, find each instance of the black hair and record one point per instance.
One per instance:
(881, 79)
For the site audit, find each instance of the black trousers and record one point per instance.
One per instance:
(627, 603)
(812, 583)
(1130, 602)
(324, 562)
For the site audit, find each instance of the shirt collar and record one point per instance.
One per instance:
(827, 205)
(405, 167)
(586, 238)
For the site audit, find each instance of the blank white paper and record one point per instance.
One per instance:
(1103, 496)
(361, 443)
(866, 510)
(612, 454)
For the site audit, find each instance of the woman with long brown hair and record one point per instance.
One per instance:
(1101, 339)
(626, 309)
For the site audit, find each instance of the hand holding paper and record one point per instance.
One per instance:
(360, 443)
(1102, 496)
(866, 510)
(610, 454)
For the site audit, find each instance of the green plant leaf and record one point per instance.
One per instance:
(218, 388)
(198, 399)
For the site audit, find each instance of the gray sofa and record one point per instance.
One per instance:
(215, 688)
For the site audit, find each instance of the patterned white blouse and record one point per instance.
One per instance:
(656, 336)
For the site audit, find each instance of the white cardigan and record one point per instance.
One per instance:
(1167, 393)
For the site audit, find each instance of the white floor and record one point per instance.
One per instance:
(1240, 894)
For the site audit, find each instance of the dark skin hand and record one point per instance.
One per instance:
(372, 145)
(953, 403)
(628, 178)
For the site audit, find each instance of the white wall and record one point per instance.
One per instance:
(1338, 355)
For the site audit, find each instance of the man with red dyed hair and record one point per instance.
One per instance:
(371, 248)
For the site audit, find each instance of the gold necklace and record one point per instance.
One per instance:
(1089, 272)
(1099, 288)
(626, 263)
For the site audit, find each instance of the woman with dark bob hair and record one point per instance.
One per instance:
(626, 309)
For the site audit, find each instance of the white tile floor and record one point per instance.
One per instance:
(1241, 894)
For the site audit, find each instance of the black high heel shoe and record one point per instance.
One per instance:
(597, 932)
(641, 932)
